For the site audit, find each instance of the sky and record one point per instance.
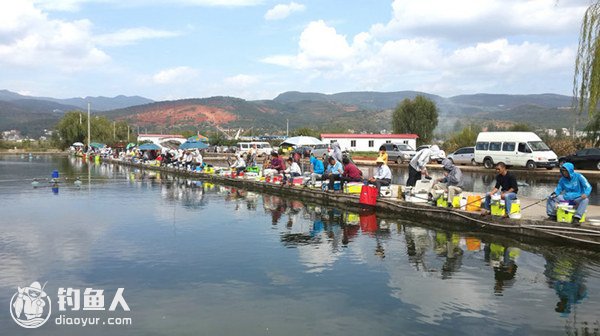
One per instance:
(257, 49)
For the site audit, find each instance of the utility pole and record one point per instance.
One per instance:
(114, 130)
(127, 133)
(287, 128)
(89, 128)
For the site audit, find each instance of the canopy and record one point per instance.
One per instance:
(77, 144)
(302, 141)
(130, 145)
(149, 146)
(97, 145)
(197, 138)
(193, 145)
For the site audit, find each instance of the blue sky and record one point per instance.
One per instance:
(256, 49)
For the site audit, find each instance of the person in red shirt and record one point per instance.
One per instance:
(351, 174)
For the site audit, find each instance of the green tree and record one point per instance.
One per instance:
(465, 138)
(72, 127)
(418, 116)
(586, 80)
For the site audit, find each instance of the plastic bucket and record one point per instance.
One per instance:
(368, 195)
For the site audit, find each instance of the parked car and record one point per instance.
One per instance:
(520, 149)
(262, 148)
(588, 158)
(399, 152)
(321, 150)
(465, 155)
(441, 155)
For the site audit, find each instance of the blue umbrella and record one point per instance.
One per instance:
(149, 146)
(193, 145)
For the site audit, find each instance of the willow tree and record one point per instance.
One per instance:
(586, 81)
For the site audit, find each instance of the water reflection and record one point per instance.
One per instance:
(231, 258)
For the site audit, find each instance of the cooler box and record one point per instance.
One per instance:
(353, 187)
(209, 170)
(456, 202)
(442, 202)
(565, 215)
(386, 191)
(368, 195)
(298, 180)
(317, 185)
(253, 169)
(499, 209)
(337, 185)
(474, 203)
(276, 179)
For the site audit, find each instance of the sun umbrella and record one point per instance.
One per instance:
(193, 145)
(302, 141)
(130, 145)
(149, 146)
(197, 138)
(97, 145)
(77, 144)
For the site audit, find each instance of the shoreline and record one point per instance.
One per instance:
(529, 228)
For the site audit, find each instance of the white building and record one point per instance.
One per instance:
(368, 142)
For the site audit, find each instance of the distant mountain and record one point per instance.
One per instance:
(364, 99)
(355, 111)
(30, 120)
(97, 103)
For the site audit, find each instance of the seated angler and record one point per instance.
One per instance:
(333, 172)
(383, 175)
(452, 182)
(506, 186)
(572, 187)
(239, 165)
(292, 171)
(351, 172)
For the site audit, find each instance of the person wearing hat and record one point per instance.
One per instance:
(417, 166)
(239, 165)
(572, 187)
(30, 301)
(383, 175)
(452, 182)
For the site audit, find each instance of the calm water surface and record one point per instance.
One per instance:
(201, 259)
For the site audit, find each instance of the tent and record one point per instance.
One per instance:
(149, 146)
(97, 145)
(193, 145)
(197, 138)
(77, 144)
(301, 141)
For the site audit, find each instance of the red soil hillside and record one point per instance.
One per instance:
(182, 114)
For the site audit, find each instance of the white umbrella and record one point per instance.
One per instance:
(77, 144)
(302, 141)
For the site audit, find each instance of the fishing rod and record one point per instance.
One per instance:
(532, 204)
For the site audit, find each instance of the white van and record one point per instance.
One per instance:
(262, 147)
(519, 149)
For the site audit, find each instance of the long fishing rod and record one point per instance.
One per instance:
(532, 204)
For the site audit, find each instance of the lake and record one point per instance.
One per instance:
(196, 258)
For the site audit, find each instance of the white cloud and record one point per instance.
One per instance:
(29, 38)
(133, 35)
(420, 62)
(488, 19)
(175, 75)
(282, 11)
(320, 47)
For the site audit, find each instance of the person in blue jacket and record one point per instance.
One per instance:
(317, 168)
(572, 187)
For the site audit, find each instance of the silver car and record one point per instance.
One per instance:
(399, 152)
(463, 156)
